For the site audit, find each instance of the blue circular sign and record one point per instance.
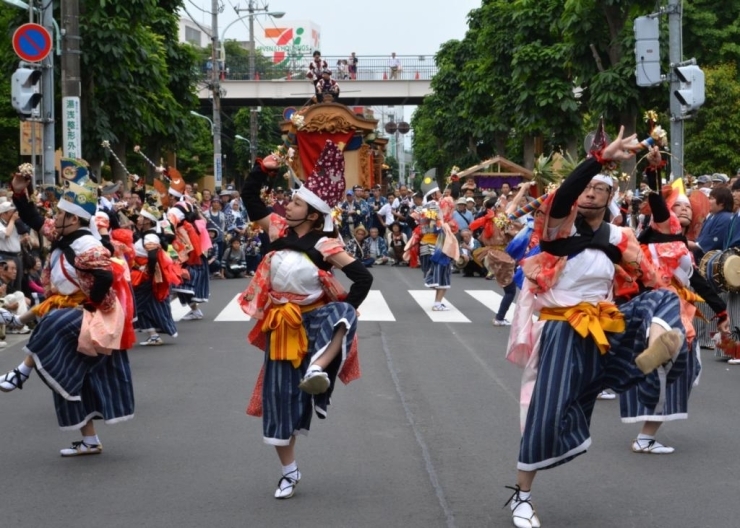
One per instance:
(288, 113)
(32, 42)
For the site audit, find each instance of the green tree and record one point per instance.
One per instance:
(137, 81)
(711, 138)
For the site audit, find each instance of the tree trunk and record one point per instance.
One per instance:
(117, 170)
(499, 142)
(528, 152)
(628, 119)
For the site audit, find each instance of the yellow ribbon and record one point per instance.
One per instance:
(590, 319)
(288, 339)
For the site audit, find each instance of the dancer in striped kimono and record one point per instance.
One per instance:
(664, 244)
(305, 322)
(79, 344)
(582, 343)
(151, 276)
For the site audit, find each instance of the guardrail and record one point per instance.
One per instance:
(369, 68)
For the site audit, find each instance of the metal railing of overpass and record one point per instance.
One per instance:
(369, 68)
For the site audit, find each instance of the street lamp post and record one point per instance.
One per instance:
(253, 126)
(196, 114)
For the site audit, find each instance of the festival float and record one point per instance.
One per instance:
(313, 131)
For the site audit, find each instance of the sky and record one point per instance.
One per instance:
(408, 27)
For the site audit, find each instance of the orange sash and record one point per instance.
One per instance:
(590, 319)
(288, 339)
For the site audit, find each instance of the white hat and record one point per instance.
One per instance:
(6, 206)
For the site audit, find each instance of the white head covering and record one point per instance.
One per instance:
(604, 179)
(308, 196)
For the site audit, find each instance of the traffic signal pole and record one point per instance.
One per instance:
(675, 57)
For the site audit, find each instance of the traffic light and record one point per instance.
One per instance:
(691, 90)
(24, 94)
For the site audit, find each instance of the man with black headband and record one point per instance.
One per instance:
(582, 343)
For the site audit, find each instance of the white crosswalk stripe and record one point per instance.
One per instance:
(491, 300)
(178, 310)
(233, 312)
(376, 308)
(425, 299)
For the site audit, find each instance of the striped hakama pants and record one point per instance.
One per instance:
(673, 403)
(197, 289)
(572, 371)
(151, 313)
(286, 410)
(84, 387)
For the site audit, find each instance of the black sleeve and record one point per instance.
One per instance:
(105, 240)
(151, 261)
(652, 177)
(27, 212)
(573, 186)
(658, 207)
(361, 279)
(103, 280)
(256, 208)
(702, 287)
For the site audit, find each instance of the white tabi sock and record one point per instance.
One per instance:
(290, 468)
(91, 440)
(25, 369)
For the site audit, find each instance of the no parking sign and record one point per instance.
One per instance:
(32, 42)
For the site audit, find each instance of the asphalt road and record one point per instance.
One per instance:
(428, 437)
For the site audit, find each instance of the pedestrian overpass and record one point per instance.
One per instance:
(285, 84)
(282, 92)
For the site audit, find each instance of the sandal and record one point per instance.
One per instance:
(286, 485)
(651, 447)
(12, 380)
(523, 513)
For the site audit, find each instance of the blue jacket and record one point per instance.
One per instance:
(714, 233)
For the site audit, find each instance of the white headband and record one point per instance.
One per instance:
(682, 198)
(604, 179)
(308, 196)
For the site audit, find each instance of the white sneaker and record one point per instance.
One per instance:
(80, 448)
(641, 445)
(152, 341)
(287, 484)
(22, 330)
(315, 382)
(440, 307)
(733, 362)
(3, 344)
(504, 322)
(606, 395)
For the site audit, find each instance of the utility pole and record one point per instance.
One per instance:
(253, 124)
(47, 102)
(71, 80)
(216, 90)
(675, 56)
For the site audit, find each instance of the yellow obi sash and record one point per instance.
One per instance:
(56, 301)
(590, 319)
(288, 339)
